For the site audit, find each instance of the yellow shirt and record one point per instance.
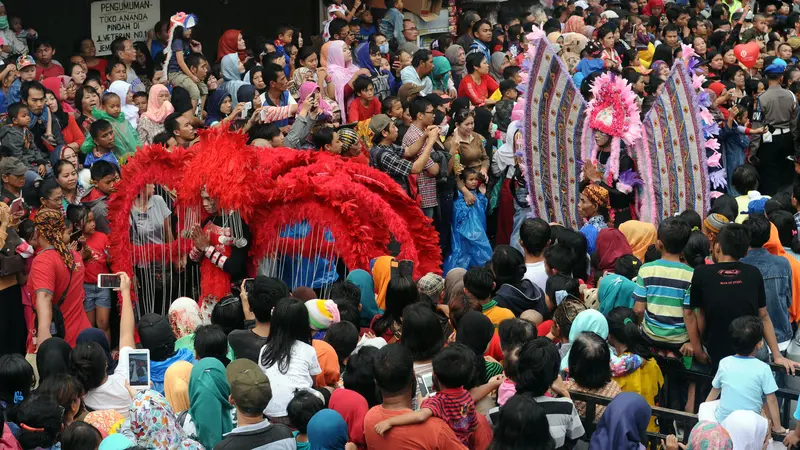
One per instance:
(496, 313)
(645, 381)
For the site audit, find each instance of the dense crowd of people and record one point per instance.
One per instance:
(485, 354)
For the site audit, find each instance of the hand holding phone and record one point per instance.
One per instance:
(109, 281)
(139, 369)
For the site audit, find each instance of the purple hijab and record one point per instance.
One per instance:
(623, 425)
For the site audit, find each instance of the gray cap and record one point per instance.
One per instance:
(12, 166)
(379, 123)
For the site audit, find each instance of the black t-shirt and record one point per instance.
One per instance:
(724, 292)
(246, 344)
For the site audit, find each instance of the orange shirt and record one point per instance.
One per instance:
(328, 362)
(433, 434)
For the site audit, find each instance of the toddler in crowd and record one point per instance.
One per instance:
(471, 246)
(104, 179)
(451, 403)
(742, 381)
(300, 411)
(125, 137)
(17, 137)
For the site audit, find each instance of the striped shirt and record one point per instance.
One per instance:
(664, 287)
(562, 417)
(456, 407)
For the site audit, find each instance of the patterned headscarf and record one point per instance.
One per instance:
(50, 223)
(709, 436)
(348, 137)
(154, 424)
(184, 316)
(107, 421)
(597, 195)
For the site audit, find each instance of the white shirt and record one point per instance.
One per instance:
(410, 75)
(303, 367)
(113, 394)
(536, 274)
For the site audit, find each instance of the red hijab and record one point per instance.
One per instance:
(610, 245)
(353, 407)
(648, 8)
(229, 43)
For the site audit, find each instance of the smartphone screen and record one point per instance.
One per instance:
(16, 206)
(139, 369)
(108, 281)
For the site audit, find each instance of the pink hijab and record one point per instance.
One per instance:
(306, 89)
(340, 73)
(154, 112)
(575, 24)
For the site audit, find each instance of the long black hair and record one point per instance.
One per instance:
(39, 418)
(522, 425)
(787, 229)
(59, 114)
(697, 249)
(622, 326)
(422, 334)
(148, 69)
(289, 325)
(577, 242)
(508, 266)
(401, 292)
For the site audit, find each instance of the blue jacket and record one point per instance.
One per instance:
(733, 144)
(391, 25)
(777, 275)
(14, 95)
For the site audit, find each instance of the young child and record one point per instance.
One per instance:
(589, 63)
(452, 403)
(102, 134)
(179, 70)
(470, 244)
(26, 71)
(512, 73)
(94, 250)
(478, 285)
(104, 179)
(367, 26)
(21, 36)
(16, 136)
(300, 411)
(366, 103)
(285, 36)
(336, 10)
(502, 109)
(140, 100)
(742, 380)
(126, 140)
(514, 333)
(746, 181)
(734, 140)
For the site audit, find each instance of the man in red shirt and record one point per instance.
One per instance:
(394, 376)
(56, 278)
(46, 67)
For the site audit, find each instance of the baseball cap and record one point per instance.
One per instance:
(12, 166)
(250, 387)
(609, 14)
(438, 100)
(408, 91)
(25, 61)
(379, 123)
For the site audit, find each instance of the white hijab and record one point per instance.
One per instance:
(504, 156)
(121, 88)
(748, 430)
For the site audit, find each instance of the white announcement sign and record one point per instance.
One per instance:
(129, 18)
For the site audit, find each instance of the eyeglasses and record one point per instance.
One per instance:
(411, 29)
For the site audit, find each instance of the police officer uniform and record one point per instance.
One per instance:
(776, 109)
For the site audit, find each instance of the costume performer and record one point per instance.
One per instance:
(221, 244)
(612, 124)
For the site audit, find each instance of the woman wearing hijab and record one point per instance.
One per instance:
(440, 76)
(97, 336)
(159, 107)
(575, 24)
(54, 99)
(107, 422)
(231, 42)
(640, 236)
(368, 55)
(710, 436)
(247, 94)
(623, 425)
(214, 107)
(369, 307)
(353, 407)
(52, 357)
(381, 274)
(342, 72)
(123, 90)
(208, 400)
(184, 317)
(454, 284)
(610, 246)
(476, 331)
(497, 64)
(327, 430)
(176, 386)
(154, 425)
(232, 69)
(457, 58)
(748, 430)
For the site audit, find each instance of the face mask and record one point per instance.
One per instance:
(3, 22)
(384, 48)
